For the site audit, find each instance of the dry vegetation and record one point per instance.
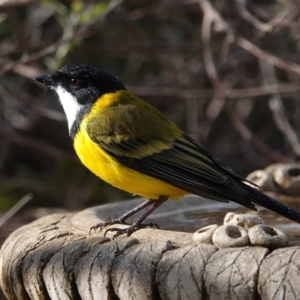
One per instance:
(227, 72)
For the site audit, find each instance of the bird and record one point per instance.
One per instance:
(131, 145)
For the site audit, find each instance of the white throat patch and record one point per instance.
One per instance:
(69, 103)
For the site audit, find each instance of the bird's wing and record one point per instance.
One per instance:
(138, 132)
(169, 155)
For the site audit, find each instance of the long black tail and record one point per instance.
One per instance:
(266, 201)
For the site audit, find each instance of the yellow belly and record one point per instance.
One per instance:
(118, 175)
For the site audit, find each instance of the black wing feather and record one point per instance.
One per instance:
(186, 165)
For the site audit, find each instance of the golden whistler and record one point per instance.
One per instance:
(131, 145)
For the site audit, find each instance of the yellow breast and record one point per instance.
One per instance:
(118, 175)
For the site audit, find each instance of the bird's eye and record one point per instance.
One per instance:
(75, 82)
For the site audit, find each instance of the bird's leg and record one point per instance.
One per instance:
(138, 223)
(124, 217)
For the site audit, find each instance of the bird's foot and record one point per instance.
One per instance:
(130, 229)
(105, 224)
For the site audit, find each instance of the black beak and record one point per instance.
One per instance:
(45, 79)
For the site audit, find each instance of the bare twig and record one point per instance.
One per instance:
(247, 16)
(81, 32)
(10, 3)
(249, 136)
(208, 18)
(13, 210)
(10, 65)
(35, 144)
(241, 6)
(277, 108)
(249, 46)
(270, 58)
(152, 9)
(206, 93)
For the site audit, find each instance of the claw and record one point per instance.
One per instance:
(105, 224)
(152, 225)
(130, 229)
(99, 225)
